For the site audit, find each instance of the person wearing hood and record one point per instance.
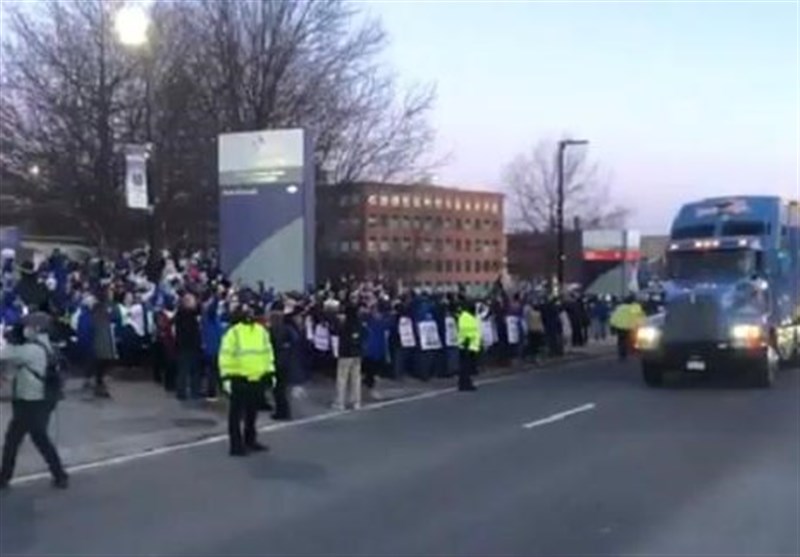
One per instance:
(26, 357)
(212, 329)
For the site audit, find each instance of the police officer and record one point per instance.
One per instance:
(246, 359)
(469, 342)
(625, 320)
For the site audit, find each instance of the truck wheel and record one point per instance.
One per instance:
(653, 377)
(763, 374)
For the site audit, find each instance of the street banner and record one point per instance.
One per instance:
(136, 177)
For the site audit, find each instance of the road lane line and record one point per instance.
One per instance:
(560, 416)
(219, 438)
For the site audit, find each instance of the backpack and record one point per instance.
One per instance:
(53, 378)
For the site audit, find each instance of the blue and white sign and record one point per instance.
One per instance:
(266, 204)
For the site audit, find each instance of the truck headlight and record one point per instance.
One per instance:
(746, 335)
(647, 338)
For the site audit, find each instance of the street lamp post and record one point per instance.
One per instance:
(563, 145)
(131, 24)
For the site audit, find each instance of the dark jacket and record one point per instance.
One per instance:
(351, 336)
(188, 337)
(281, 343)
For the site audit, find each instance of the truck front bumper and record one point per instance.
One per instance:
(701, 357)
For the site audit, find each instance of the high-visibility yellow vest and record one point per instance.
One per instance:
(246, 351)
(628, 317)
(469, 332)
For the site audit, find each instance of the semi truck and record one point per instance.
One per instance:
(731, 294)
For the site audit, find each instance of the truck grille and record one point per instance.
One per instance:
(690, 320)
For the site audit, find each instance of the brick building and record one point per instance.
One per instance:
(420, 234)
(533, 255)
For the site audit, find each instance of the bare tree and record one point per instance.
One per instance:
(532, 179)
(72, 96)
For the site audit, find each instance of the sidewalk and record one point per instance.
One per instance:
(142, 417)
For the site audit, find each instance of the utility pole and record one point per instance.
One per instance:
(561, 250)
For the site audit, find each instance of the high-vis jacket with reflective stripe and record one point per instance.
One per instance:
(469, 332)
(246, 351)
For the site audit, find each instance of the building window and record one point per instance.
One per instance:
(417, 201)
(384, 246)
(383, 200)
(395, 201)
(384, 220)
(428, 223)
(438, 203)
(372, 245)
(487, 206)
(407, 244)
(427, 247)
(438, 223)
(395, 244)
(468, 245)
(428, 202)
(487, 266)
(406, 199)
(344, 247)
(457, 266)
(495, 266)
(394, 222)
(448, 203)
(478, 246)
(467, 224)
(438, 266)
(372, 221)
(448, 223)
(478, 224)
(372, 199)
(448, 266)
(355, 245)
(468, 266)
(343, 201)
(495, 208)
(458, 204)
(438, 244)
(468, 205)
(458, 244)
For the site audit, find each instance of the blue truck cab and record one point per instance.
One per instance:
(732, 291)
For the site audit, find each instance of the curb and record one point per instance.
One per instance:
(487, 378)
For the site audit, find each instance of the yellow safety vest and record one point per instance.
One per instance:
(246, 351)
(469, 332)
(628, 317)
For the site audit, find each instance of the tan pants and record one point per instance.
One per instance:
(348, 371)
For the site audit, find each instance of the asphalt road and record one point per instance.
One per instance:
(705, 468)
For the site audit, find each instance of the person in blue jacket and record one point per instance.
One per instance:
(375, 348)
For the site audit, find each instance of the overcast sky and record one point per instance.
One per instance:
(679, 100)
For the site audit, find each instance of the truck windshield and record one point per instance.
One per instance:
(700, 265)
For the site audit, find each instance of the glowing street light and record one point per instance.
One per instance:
(131, 24)
(34, 170)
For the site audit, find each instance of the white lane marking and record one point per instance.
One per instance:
(123, 459)
(560, 416)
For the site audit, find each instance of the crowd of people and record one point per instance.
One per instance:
(173, 314)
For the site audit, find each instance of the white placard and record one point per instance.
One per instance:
(406, 329)
(488, 336)
(335, 346)
(309, 329)
(322, 338)
(450, 332)
(512, 324)
(429, 335)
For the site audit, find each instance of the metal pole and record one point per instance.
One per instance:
(560, 217)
